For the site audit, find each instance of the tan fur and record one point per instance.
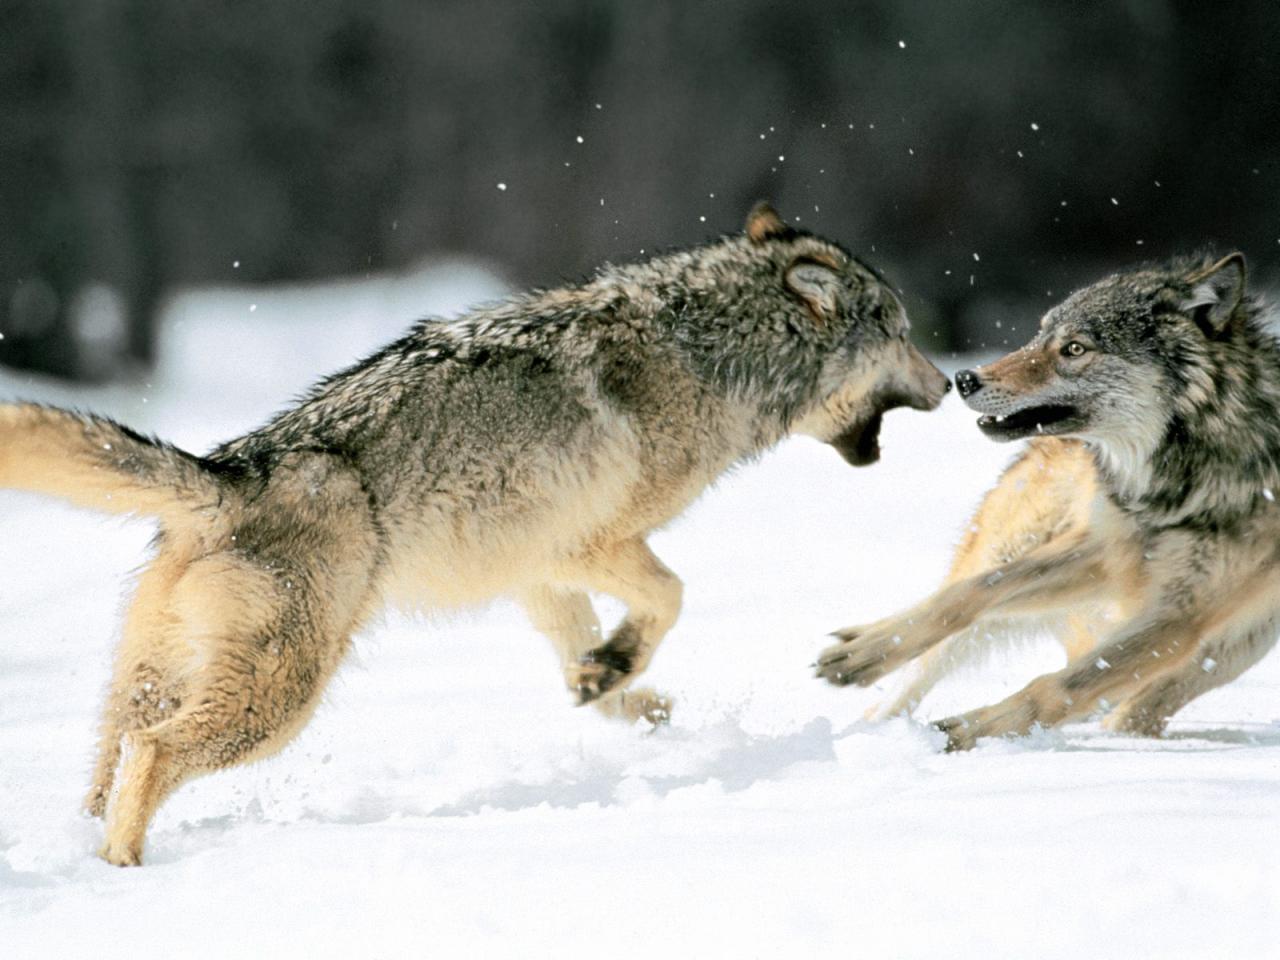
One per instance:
(1045, 540)
(526, 450)
(1044, 495)
(1022, 372)
(223, 659)
(1151, 536)
(60, 453)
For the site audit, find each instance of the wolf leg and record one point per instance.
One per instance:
(1080, 635)
(652, 593)
(1039, 582)
(1218, 660)
(565, 615)
(255, 696)
(1041, 499)
(261, 645)
(1149, 667)
(148, 684)
(1113, 672)
(925, 672)
(958, 651)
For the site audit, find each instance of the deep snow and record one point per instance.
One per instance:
(446, 797)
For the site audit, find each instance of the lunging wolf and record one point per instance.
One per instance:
(525, 449)
(1143, 515)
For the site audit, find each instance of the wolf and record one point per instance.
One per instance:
(1142, 516)
(525, 449)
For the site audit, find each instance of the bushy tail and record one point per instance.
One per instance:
(96, 463)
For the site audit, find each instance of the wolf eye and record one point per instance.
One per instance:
(1074, 349)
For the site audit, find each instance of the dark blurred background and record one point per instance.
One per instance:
(988, 156)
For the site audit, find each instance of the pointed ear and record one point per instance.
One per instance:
(1216, 291)
(818, 286)
(763, 223)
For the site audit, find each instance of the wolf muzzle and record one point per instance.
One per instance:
(859, 443)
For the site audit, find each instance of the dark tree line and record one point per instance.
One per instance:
(987, 155)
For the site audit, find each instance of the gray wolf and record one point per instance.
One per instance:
(1142, 518)
(526, 449)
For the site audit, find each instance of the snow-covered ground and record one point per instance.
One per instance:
(447, 798)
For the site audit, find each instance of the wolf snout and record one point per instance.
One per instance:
(927, 384)
(931, 396)
(940, 391)
(968, 383)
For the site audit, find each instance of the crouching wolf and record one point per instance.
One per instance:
(1144, 511)
(525, 449)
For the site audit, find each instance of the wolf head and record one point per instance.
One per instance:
(804, 329)
(1112, 362)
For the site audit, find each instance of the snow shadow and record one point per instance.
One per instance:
(736, 765)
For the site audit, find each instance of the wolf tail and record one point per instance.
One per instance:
(97, 463)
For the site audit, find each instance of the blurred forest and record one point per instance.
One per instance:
(988, 156)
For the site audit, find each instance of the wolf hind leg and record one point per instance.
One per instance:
(253, 701)
(565, 615)
(262, 647)
(142, 698)
(148, 684)
(1219, 661)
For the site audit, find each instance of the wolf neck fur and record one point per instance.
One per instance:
(1217, 453)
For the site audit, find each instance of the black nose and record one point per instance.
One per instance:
(967, 383)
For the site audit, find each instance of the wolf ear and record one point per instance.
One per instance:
(764, 223)
(1216, 291)
(818, 286)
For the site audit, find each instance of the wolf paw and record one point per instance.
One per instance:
(95, 803)
(640, 704)
(863, 656)
(1135, 723)
(1014, 716)
(121, 854)
(597, 672)
(960, 733)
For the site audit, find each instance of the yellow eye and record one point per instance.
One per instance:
(1074, 349)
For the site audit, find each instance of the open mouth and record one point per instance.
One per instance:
(860, 444)
(1048, 420)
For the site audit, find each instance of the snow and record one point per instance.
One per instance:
(447, 797)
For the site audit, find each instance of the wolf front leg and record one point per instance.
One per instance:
(629, 571)
(565, 615)
(1078, 633)
(1041, 581)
